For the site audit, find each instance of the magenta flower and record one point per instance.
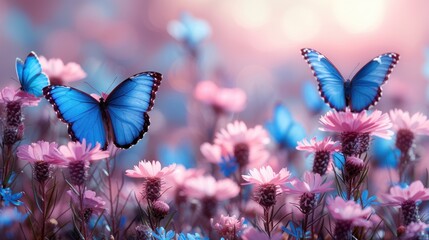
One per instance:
(311, 183)
(221, 99)
(147, 169)
(356, 128)
(92, 204)
(323, 152)
(60, 73)
(8, 95)
(348, 214)
(228, 227)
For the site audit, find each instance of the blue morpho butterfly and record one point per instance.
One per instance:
(121, 117)
(359, 93)
(30, 75)
(284, 129)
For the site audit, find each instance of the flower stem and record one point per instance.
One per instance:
(112, 209)
(268, 224)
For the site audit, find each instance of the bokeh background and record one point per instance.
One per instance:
(253, 44)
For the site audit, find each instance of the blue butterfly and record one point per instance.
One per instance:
(359, 93)
(284, 129)
(121, 117)
(30, 75)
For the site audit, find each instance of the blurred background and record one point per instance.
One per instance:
(250, 44)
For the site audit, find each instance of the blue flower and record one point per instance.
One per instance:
(367, 201)
(189, 30)
(189, 236)
(160, 234)
(285, 131)
(228, 165)
(10, 198)
(295, 232)
(10, 215)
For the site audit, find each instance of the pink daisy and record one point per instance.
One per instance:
(407, 127)
(76, 151)
(267, 182)
(206, 187)
(10, 95)
(147, 169)
(177, 182)
(228, 227)
(153, 175)
(417, 123)
(91, 202)
(266, 175)
(311, 183)
(398, 195)
(246, 145)
(60, 73)
(375, 123)
(222, 99)
(317, 146)
(40, 151)
(356, 128)
(323, 152)
(416, 230)
(348, 214)
(212, 152)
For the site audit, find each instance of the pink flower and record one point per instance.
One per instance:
(228, 227)
(375, 123)
(349, 211)
(76, 151)
(212, 152)
(416, 229)
(59, 73)
(8, 94)
(177, 182)
(253, 234)
(311, 183)
(417, 123)
(90, 201)
(147, 169)
(326, 145)
(207, 187)
(40, 151)
(222, 99)
(266, 175)
(398, 195)
(237, 132)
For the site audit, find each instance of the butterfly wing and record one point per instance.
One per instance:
(365, 89)
(30, 75)
(127, 106)
(331, 83)
(80, 111)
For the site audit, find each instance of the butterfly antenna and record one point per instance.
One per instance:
(111, 84)
(93, 88)
(352, 73)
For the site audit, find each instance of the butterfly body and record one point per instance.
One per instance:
(120, 117)
(358, 93)
(30, 75)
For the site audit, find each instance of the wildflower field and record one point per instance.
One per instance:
(233, 120)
